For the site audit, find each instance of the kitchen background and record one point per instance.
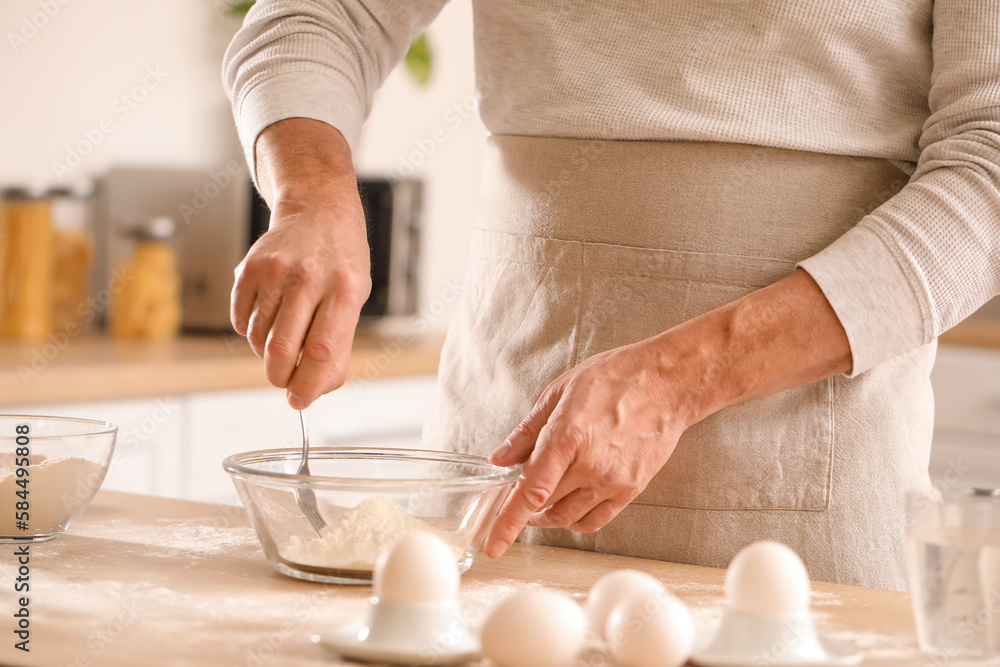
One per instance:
(98, 86)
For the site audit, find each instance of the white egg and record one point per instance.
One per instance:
(534, 628)
(767, 578)
(651, 630)
(416, 568)
(611, 589)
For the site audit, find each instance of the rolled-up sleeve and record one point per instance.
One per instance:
(930, 255)
(317, 59)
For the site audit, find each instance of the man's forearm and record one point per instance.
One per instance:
(776, 338)
(299, 159)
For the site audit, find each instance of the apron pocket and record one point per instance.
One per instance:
(538, 306)
(772, 453)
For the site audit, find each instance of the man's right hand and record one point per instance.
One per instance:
(299, 290)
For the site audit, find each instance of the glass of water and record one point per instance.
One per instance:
(954, 559)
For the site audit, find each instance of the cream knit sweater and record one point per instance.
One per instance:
(913, 81)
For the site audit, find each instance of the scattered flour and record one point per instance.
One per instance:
(180, 539)
(55, 487)
(355, 542)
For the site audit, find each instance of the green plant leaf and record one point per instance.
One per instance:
(419, 59)
(241, 7)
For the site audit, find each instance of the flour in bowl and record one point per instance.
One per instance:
(56, 489)
(355, 542)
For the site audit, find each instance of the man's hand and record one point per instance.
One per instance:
(601, 431)
(594, 440)
(299, 291)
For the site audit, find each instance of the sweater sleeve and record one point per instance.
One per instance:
(930, 255)
(317, 59)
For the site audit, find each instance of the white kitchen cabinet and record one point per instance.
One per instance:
(966, 450)
(224, 423)
(967, 388)
(388, 412)
(174, 446)
(382, 413)
(149, 452)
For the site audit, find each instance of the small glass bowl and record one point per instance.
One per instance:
(50, 470)
(367, 497)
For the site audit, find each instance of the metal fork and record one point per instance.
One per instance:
(304, 496)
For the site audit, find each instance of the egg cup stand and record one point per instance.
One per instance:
(398, 633)
(788, 639)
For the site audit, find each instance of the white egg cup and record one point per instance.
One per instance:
(782, 639)
(415, 625)
(429, 633)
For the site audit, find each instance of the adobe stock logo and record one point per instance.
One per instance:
(33, 24)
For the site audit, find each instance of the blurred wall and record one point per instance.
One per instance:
(88, 84)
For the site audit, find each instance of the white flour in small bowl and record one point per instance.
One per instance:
(56, 488)
(355, 542)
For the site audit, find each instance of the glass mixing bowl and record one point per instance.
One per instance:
(50, 470)
(368, 497)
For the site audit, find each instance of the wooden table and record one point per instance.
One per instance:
(139, 580)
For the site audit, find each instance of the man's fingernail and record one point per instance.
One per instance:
(500, 451)
(296, 401)
(496, 549)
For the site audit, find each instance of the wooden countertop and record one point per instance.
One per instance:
(139, 580)
(975, 331)
(94, 368)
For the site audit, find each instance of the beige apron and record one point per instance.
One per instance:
(583, 246)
